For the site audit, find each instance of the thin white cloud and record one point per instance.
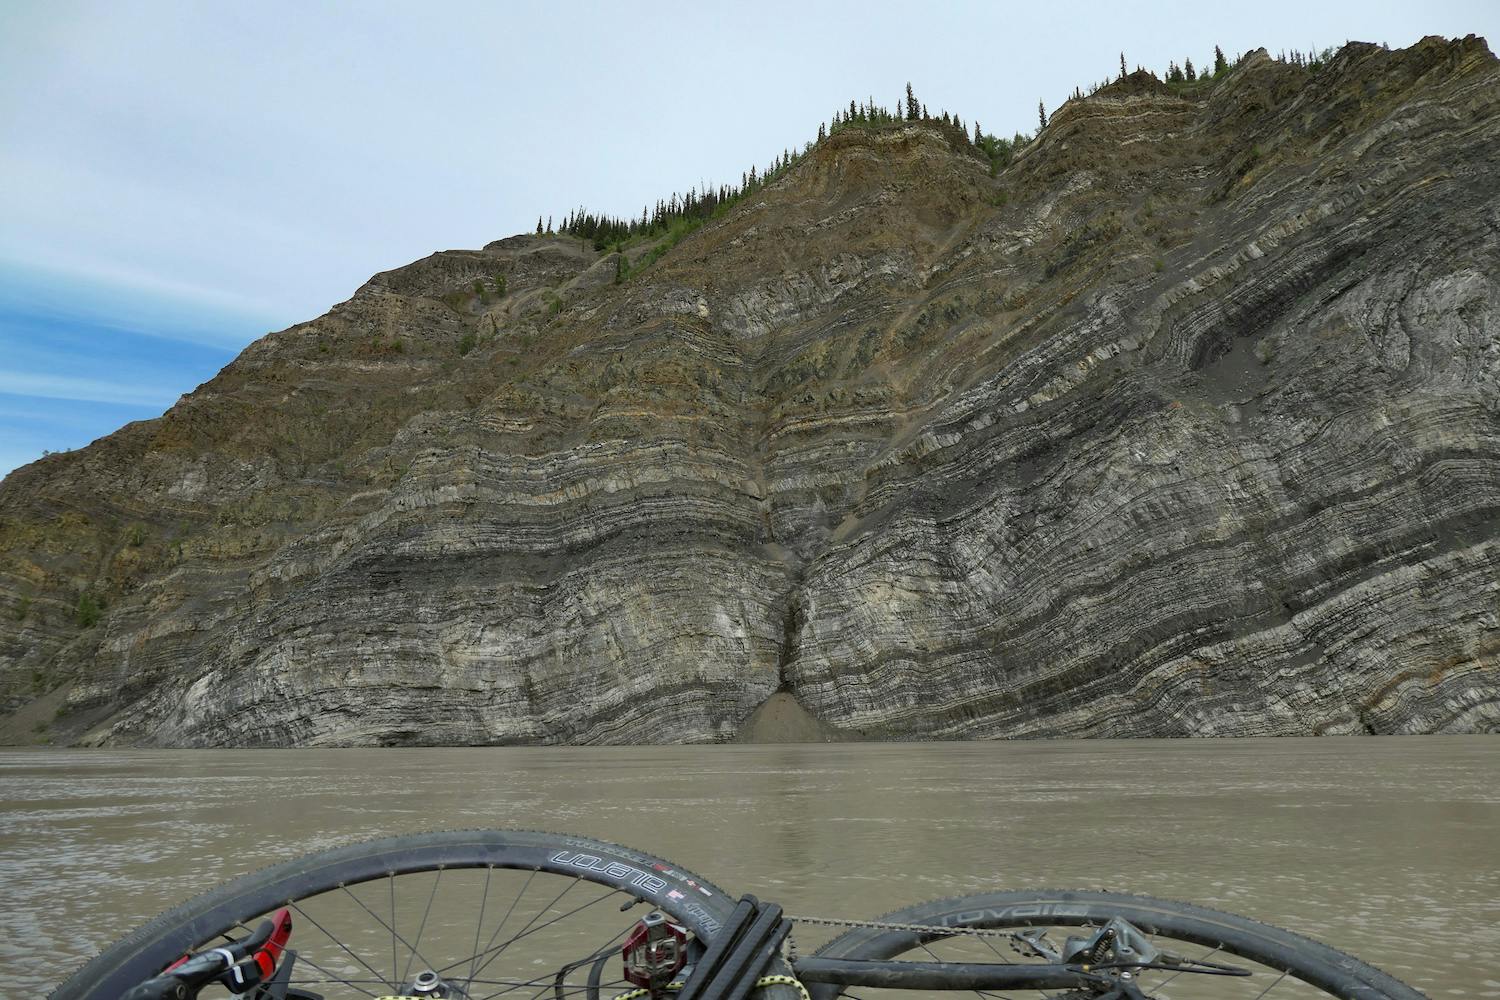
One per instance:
(87, 224)
(77, 271)
(103, 297)
(86, 390)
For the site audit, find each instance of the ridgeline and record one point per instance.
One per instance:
(1179, 417)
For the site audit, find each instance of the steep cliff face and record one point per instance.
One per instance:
(1186, 423)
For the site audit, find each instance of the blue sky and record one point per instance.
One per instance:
(177, 179)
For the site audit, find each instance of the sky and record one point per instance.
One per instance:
(178, 179)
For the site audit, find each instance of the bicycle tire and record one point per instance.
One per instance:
(1302, 958)
(698, 905)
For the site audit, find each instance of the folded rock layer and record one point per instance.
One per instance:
(1186, 422)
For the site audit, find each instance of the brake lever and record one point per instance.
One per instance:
(240, 965)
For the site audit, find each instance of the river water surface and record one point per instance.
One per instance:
(1388, 848)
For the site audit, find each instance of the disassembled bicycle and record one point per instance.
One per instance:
(480, 915)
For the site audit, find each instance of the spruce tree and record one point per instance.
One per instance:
(1041, 114)
(912, 107)
(1123, 74)
(822, 133)
(978, 135)
(1188, 71)
(539, 225)
(1221, 66)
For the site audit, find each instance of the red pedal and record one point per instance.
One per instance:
(655, 951)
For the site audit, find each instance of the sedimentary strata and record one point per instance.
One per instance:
(1187, 422)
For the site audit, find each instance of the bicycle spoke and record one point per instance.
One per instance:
(392, 929)
(529, 930)
(479, 924)
(391, 880)
(979, 993)
(340, 944)
(546, 988)
(573, 992)
(490, 947)
(998, 953)
(302, 959)
(546, 981)
(1271, 987)
(602, 948)
(423, 925)
(501, 926)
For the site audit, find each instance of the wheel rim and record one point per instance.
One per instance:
(1283, 966)
(495, 914)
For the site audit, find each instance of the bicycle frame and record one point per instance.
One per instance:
(943, 975)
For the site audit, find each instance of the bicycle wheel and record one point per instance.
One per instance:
(1283, 965)
(493, 913)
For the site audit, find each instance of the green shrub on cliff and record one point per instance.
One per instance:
(89, 610)
(999, 151)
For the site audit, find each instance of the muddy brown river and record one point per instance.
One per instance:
(1388, 848)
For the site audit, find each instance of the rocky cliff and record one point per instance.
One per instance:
(1187, 422)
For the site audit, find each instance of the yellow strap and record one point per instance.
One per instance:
(784, 981)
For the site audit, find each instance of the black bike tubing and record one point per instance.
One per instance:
(761, 958)
(740, 966)
(719, 948)
(940, 975)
